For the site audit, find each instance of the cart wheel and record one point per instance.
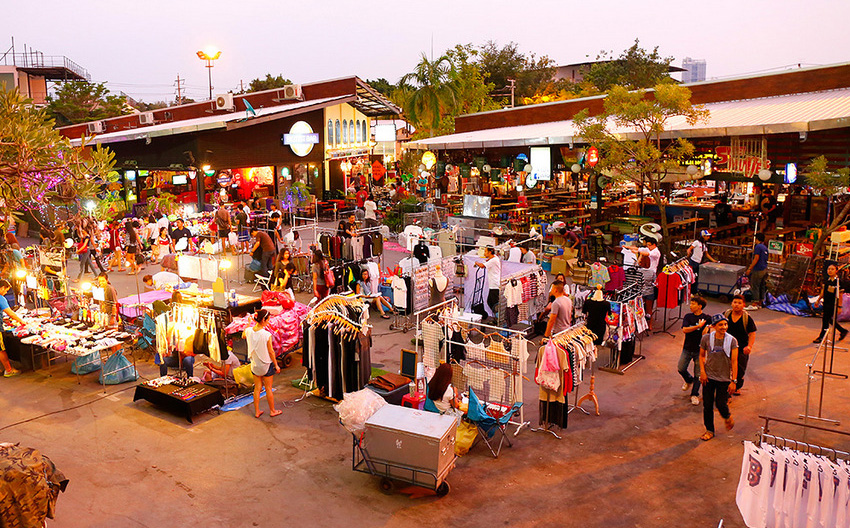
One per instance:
(443, 489)
(287, 360)
(724, 298)
(387, 486)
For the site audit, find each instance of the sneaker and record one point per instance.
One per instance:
(694, 400)
(818, 340)
(10, 373)
(686, 386)
(752, 307)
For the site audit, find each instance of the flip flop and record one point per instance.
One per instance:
(276, 413)
(706, 436)
(730, 423)
(259, 414)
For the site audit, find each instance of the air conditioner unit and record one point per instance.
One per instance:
(146, 118)
(224, 101)
(96, 127)
(291, 92)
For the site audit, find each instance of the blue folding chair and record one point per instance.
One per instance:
(488, 425)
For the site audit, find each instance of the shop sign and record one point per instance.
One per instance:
(743, 156)
(347, 153)
(805, 249)
(301, 138)
(775, 247)
(378, 170)
(224, 181)
(592, 156)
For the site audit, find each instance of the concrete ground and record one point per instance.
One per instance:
(639, 464)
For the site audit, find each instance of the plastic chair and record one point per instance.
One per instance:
(487, 425)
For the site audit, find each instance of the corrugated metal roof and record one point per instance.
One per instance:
(769, 115)
(210, 122)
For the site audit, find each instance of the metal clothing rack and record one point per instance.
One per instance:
(664, 329)
(764, 435)
(623, 296)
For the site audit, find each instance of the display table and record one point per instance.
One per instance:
(168, 397)
(132, 306)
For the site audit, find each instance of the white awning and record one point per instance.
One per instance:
(232, 120)
(803, 112)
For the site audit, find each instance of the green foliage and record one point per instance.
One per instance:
(382, 85)
(142, 106)
(162, 203)
(628, 136)
(635, 68)
(502, 64)
(432, 92)
(829, 183)
(258, 85)
(79, 101)
(38, 164)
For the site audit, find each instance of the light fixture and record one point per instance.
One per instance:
(205, 168)
(224, 264)
(86, 286)
(486, 168)
(691, 170)
(528, 168)
(209, 54)
(90, 205)
(21, 273)
(422, 167)
(764, 175)
(576, 168)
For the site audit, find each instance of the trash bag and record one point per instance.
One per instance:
(243, 375)
(357, 407)
(118, 369)
(86, 364)
(465, 437)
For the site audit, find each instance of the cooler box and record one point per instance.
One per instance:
(411, 438)
(717, 277)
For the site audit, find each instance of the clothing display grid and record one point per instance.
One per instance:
(629, 322)
(674, 288)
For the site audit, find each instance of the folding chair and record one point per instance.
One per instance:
(488, 425)
(261, 281)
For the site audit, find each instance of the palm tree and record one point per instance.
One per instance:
(432, 93)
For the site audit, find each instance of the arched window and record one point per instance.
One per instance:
(336, 136)
(351, 131)
(344, 131)
(357, 132)
(364, 134)
(329, 140)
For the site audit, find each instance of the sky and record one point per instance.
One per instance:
(141, 47)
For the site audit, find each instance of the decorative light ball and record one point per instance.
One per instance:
(692, 170)
(449, 167)
(519, 188)
(764, 175)
(576, 168)
(528, 168)
(421, 167)
(486, 168)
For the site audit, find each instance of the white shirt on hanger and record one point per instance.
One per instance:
(399, 292)
(515, 255)
(513, 293)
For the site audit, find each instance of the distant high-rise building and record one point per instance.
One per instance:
(694, 70)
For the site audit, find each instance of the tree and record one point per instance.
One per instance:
(38, 164)
(382, 85)
(80, 101)
(269, 83)
(635, 69)
(432, 92)
(633, 150)
(142, 106)
(472, 91)
(500, 65)
(829, 183)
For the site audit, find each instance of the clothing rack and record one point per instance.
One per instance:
(623, 296)
(673, 267)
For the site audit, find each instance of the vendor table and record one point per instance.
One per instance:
(131, 306)
(790, 232)
(165, 397)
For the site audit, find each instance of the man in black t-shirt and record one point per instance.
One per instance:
(181, 231)
(743, 329)
(346, 229)
(723, 212)
(693, 325)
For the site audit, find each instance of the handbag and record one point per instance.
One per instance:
(329, 277)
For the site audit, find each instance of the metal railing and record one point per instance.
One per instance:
(37, 59)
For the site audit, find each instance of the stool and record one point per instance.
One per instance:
(414, 401)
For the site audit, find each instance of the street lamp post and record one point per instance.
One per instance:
(209, 55)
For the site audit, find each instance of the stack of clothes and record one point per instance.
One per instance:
(285, 327)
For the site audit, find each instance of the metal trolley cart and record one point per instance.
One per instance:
(391, 472)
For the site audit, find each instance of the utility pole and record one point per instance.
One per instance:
(241, 86)
(513, 85)
(179, 90)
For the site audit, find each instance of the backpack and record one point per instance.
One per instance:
(745, 318)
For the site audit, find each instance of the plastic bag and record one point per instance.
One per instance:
(464, 437)
(86, 364)
(356, 407)
(118, 370)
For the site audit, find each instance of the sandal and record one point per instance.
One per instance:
(385, 316)
(730, 423)
(706, 436)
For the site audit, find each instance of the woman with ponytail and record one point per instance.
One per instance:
(263, 361)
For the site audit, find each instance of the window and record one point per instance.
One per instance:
(344, 131)
(357, 132)
(336, 136)
(351, 131)
(329, 140)
(363, 133)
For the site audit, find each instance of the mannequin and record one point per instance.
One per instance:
(597, 309)
(439, 283)
(597, 295)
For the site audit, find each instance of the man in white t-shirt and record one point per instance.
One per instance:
(494, 279)
(369, 206)
(652, 251)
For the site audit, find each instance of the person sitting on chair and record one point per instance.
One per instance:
(364, 287)
(442, 392)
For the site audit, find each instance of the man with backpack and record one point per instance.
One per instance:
(743, 329)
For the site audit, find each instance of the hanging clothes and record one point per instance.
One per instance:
(617, 278)
(598, 275)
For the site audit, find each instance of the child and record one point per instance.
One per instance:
(718, 366)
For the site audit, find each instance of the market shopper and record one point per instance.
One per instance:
(8, 370)
(528, 257)
(370, 208)
(493, 265)
(180, 236)
(561, 315)
(263, 242)
(743, 329)
(109, 304)
(723, 211)
(346, 227)
(769, 208)
(718, 366)
(223, 226)
(134, 248)
(84, 252)
(698, 251)
(318, 269)
(831, 295)
(284, 269)
(757, 271)
(364, 287)
(693, 325)
(263, 361)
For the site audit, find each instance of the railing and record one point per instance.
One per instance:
(36, 59)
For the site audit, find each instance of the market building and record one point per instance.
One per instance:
(247, 145)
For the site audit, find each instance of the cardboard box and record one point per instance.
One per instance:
(559, 265)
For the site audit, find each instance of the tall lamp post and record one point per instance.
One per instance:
(209, 55)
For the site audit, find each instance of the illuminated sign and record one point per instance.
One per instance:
(301, 138)
(790, 173)
(592, 156)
